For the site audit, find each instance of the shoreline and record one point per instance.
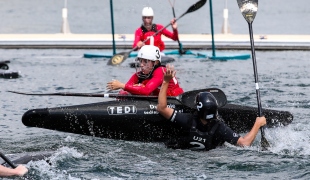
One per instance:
(124, 41)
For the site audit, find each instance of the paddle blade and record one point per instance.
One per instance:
(119, 58)
(188, 98)
(48, 94)
(263, 142)
(248, 9)
(65, 94)
(195, 7)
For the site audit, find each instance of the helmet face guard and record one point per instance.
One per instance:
(142, 69)
(206, 106)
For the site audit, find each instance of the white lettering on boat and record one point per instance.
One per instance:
(119, 110)
(168, 105)
(171, 106)
(153, 109)
(151, 112)
(153, 106)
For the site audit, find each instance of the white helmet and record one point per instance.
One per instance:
(150, 52)
(147, 11)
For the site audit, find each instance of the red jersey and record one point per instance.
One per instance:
(142, 33)
(152, 86)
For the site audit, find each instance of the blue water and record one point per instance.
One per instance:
(283, 79)
(93, 16)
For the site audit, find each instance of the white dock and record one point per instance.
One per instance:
(124, 41)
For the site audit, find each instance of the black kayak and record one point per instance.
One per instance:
(8, 74)
(138, 120)
(5, 72)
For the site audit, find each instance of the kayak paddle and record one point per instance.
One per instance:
(9, 162)
(187, 98)
(248, 9)
(181, 50)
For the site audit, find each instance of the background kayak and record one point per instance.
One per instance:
(5, 72)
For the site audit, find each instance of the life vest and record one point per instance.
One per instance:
(157, 39)
(154, 29)
(201, 140)
(195, 139)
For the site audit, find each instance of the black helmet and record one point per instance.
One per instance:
(206, 105)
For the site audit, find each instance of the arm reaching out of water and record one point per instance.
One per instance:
(162, 97)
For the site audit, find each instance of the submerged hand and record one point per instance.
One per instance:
(170, 73)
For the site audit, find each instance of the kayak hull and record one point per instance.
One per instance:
(138, 120)
(8, 74)
(5, 72)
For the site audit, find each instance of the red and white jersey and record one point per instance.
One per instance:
(152, 85)
(142, 34)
